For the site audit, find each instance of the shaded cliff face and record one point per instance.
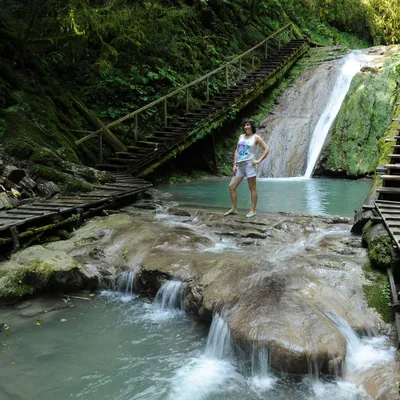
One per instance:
(352, 147)
(289, 127)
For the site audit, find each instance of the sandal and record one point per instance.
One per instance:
(230, 212)
(251, 215)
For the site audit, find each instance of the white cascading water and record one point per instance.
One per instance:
(210, 373)
(125, 282)
(362, 353)
(261, 377)
(219, 339)
(169, 296)
(349, 66)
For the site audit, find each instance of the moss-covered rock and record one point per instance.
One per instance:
(357, 135)
(379, 244)
(378, 292)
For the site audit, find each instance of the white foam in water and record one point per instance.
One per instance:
(202, 377)
(339, 390)
(262, 380)
(221, 246)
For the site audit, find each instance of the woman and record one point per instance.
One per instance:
(244, 165)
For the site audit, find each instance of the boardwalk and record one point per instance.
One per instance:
(47, 213)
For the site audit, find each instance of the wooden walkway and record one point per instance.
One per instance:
(42, 212)
(145, 156)
(388, 202)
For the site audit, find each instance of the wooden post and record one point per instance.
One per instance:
(266, 49)
(279, 42)
(226, 76)
(135, 131)
(101, 146)
(165, 113)
(252, 61)
(187, 99)
(208, 88)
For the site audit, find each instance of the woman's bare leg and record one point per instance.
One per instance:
(235, 181)
(252, 182)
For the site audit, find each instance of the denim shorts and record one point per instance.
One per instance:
(246, 169)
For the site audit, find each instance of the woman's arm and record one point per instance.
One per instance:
(263, 145)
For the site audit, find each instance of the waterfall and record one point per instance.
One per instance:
(168, 297)
(219, 339)
(125, 282)
(350, 66)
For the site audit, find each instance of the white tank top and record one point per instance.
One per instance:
(246, 148)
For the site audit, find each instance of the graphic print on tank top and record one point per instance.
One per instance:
(246, 148)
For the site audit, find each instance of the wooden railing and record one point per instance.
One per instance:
(264, 43)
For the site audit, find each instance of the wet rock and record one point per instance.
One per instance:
(360, 219)
(27, 183)
(5, 202)
(253, 235)
(376, 238)
(179, 211)
(48, 189)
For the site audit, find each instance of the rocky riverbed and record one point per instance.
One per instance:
(274, 278)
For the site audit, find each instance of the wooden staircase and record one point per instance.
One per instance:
(388, 203)
(146, 155)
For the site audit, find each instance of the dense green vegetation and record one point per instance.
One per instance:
(118, 55)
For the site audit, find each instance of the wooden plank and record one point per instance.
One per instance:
(368, 207)
(390, 211)
(391, 177)
(378, 202)
(39, 207)
(115, 189)
(19, 211)
(395, 297)
(390, 190)
(16, 217)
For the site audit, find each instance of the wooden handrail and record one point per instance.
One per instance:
(196, 81)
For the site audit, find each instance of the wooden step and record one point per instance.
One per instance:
(390, 177)
(109, 167)
(126, 154)
(143, 143)
(136, 149)
(388, 190)
(394, 155)
(392, 166)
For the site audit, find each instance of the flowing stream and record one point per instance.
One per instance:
(110, 348)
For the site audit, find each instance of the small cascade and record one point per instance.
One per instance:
(370, 361)
(169, 296)
(125, 282)
(261, 377)
(350, 66)
(362, 353)
(219, 341)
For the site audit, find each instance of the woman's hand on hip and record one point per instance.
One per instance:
(255, 162)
